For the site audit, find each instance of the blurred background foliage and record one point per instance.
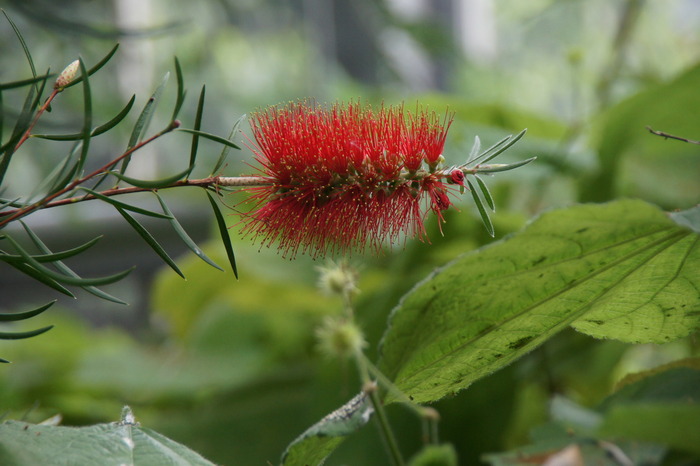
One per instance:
(230, 368)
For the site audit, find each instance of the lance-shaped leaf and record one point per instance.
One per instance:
(212, 137)
(63, 268)
(25, 82)
(60, 277)
(15, 316)
(124, 442)
(150, 240)
(227, 148)
(95, 132)
(223, 232)
(482, 210)
(197, 126)
(622, 270)
(180, 90)
(40, 277)
(313, 446)
(153, 184)
(124, 206)
(23, 335)
(184, 236)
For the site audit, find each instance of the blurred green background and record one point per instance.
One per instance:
(230, 368)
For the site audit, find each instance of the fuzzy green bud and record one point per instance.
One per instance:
(340, 338)
(338, 279)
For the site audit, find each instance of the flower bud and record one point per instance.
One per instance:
(340, 338)
(67, 75)
(338, 279)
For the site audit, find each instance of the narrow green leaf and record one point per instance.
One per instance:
(67, 270)
(40, 277)
(223, 231)
(2, 118)
(474, 152)
(319, 441)
(502, 167)
(150, 240)
(61, 278)
(144, 120)
(48, 256)
(95, 132)
(124, 206)
(485, 191)
(227, 148)
(62, 174)
(21, 125)
(15, 316)
(621, 270)
(22, 43)
(95, 68)
(500, 147)
(180, 89)
(482, 211)
(197, 126)
(184, 236)
(11, 203)
(212, 137)
(153, 184)
(87, 115)
(22, 335)
(25, 82)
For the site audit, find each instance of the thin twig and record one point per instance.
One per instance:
(671, 136)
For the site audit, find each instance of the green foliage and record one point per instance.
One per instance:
(116, 443)
(601, 268)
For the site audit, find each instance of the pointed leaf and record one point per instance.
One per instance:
(227, 148)
(15, 316)
(95, 68)
(23, 335)
(180, 89)
(319, 441)
(150, 240)
(184, 236)
(197, 126)
(622, 270)
(212, 137)
(487, 194)
(500, 147)
(87, 115)
(67, 270)
(42, 278)
(482, 211)
(124, 206)
(22, 43)
(153, 184)
(474, 153)
(502, 167)
(95, 132)
(25, 82)
(223, 231)
(61, 278)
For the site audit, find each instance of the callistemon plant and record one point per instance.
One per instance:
(350, 177)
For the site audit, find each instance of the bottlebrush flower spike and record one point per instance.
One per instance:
(346, 177)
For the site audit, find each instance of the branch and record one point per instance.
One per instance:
(671, 136)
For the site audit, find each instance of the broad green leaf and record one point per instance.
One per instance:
(313, 446)
(622, 270)
(112, 444)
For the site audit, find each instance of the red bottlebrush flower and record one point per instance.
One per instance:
(346, 177)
